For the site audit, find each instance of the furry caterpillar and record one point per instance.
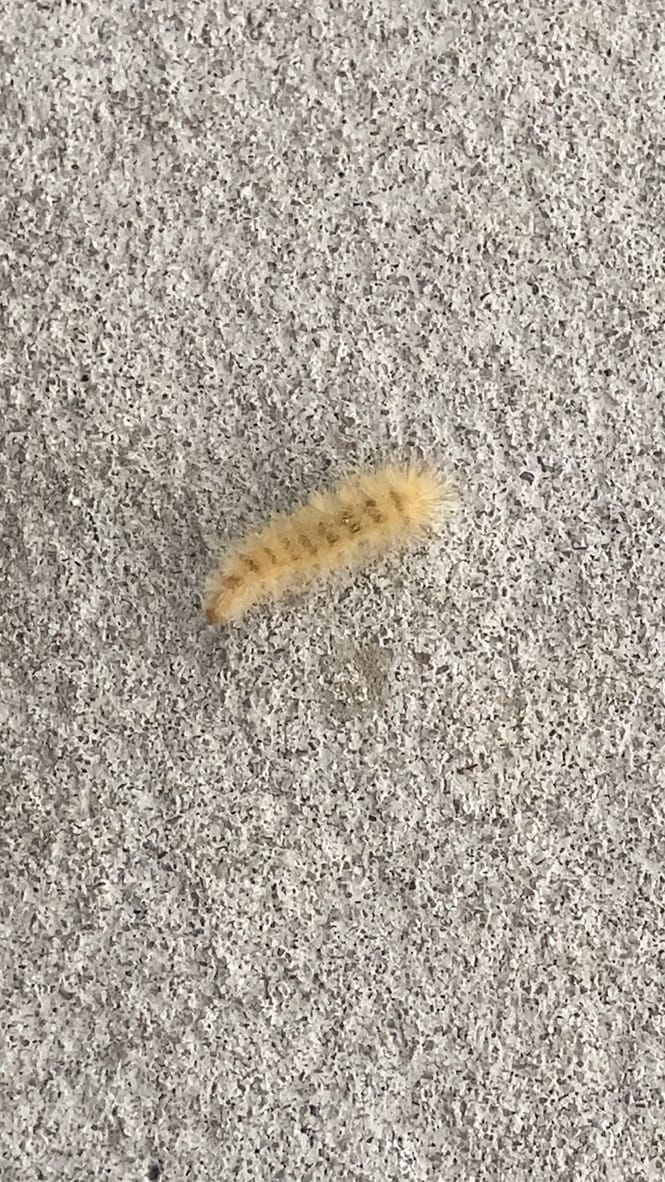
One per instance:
(361, 516)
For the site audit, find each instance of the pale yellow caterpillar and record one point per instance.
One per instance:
(361, 516)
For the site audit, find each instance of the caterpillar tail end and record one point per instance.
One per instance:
(213, 614)
(216, 609)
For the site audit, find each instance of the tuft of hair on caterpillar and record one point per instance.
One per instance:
(361, 517)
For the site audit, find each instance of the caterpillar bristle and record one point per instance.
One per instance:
(362, 515)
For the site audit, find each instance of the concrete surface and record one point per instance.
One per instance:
(368, 886)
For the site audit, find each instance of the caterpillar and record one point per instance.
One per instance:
(361, 516)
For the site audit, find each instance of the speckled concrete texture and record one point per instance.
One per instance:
(367, 887)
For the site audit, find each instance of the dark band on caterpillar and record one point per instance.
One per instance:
(306, 543)
(396, 500)
(290, 550)
(373, 511)
(271, 554)
(249, 563)
(331, 538)
(231, 581)
(353, 526)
